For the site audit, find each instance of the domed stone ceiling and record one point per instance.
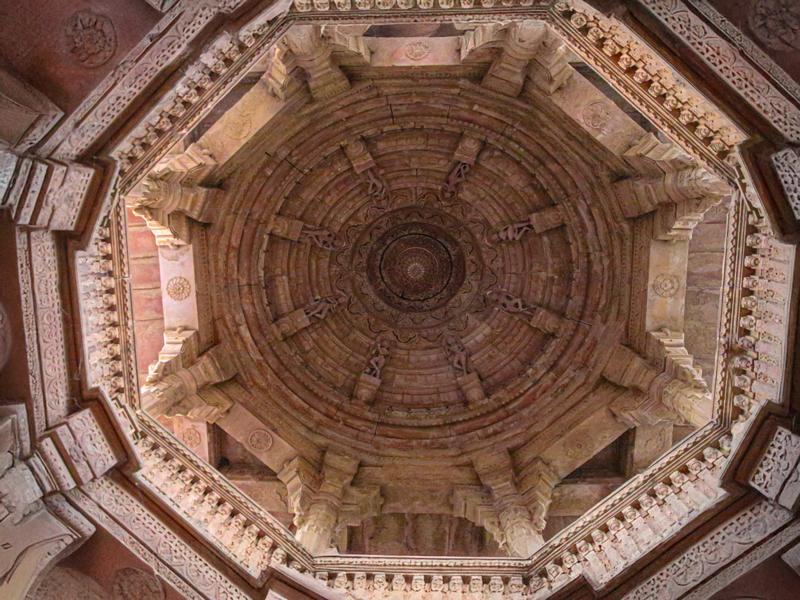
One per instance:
(420, 312)
(453, 292)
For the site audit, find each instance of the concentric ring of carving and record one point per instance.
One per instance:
(397, 276)
(413, 270)
(416, 267)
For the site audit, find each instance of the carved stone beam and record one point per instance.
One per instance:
(581, 441)
(359, 503)
(649, 442)
(476, 505)
(177, 393)
(299, 231)
(522, 40)
(681, 198)
(574, 498)
(317, 310)
(313, 54)
(26, 114)
(497, 473)
(538, 222)
(628, 369)
(319, 521)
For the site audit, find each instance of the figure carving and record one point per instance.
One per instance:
(377, 190)
(457, 353)
(377, 359)
(321, 307)
(515, 231)
(509, 303)
(319, 237)
(456, 176)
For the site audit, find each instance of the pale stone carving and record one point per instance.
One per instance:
(314, 55)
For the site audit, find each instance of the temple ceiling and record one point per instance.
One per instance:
(490, 300)
(404, 248)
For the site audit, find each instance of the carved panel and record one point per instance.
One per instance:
(787, 166)
(778, 461)
(722, 546)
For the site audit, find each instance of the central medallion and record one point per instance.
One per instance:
(415, 267)
(416, 271)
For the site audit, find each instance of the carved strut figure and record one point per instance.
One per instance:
(459, 358)
(508, 303)
(514, 232)
(319, 237)
(320, 308)
(377, 359)
(377, 190)
(456, 176)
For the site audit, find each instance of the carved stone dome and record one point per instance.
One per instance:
(409, 225)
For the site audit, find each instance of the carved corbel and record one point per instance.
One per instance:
(681, 198)
(317, 310)
(467, 379)
(538, 222)
(522, 41)
(158, 200)
(347, 42)
(537, 480)
(177, 392)
(496, 472)
(43, 194)
(301, 479)
(359, 503)
(180, 347)
(318, 523)
(299, 231)
(477, 43)
(550, 68)
(313, 54)
(538, 317)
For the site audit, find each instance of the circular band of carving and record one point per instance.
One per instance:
(415, 267)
